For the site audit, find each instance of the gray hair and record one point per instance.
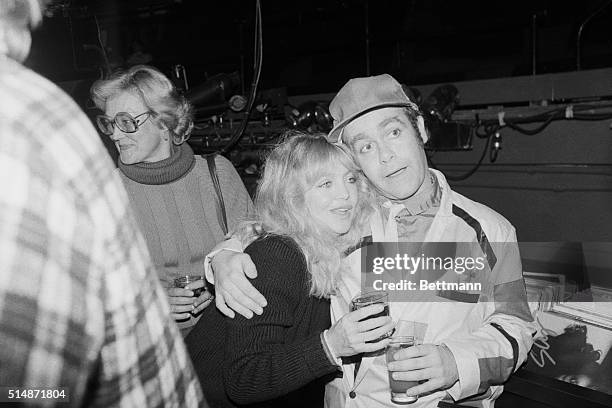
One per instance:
(157, 93)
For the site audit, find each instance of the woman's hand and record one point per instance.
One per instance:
(183, 304)
(349, 335)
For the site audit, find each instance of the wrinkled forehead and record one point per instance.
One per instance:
(125, 101)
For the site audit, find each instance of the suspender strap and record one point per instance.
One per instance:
(219, 204)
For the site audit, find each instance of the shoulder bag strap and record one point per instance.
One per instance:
(219, 204)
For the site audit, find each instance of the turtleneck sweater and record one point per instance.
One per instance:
(161, 172)
(174, 204)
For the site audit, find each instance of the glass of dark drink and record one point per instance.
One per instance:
(371, 298)
(399, 387)
(183, 281)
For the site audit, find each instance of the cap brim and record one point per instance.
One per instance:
(334, 136)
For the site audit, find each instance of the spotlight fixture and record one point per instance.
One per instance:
(444, 134)
(311, 116)
(323, 118)
(215, 90)
(442, 102)
(237, 103)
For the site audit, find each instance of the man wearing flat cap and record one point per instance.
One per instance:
(472, 341)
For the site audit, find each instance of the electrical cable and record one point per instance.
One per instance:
(580, 112)
(486, 129)
(592, 117)
(579, 36)
(258, 59)
(473, 170)
(74, 59)
(102, 48)
(577, 112)
(530, 132)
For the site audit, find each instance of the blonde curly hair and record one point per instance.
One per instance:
(290, 170)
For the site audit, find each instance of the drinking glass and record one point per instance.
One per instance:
(372, 298)
(399, 387)
(183, 281)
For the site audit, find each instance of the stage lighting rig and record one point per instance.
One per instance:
(444, 134)
(311, 116)
(215, 90)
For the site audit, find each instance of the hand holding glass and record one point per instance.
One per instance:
(372, 298)
(399, 387)
(183, 281)
(360, 331)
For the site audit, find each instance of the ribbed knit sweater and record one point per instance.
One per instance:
(174, 204)
(273, 360)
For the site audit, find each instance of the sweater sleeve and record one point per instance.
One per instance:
(238, 203)
(259, 364)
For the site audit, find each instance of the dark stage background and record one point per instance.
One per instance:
(521, 58)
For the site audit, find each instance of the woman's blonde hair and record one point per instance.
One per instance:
(290, 170)
(158, 94)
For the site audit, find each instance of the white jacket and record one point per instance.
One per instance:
(489, 339)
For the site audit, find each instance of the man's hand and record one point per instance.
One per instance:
(429, 362)
(233, 290)
(349, 336)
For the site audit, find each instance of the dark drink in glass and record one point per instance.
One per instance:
(399, 387)
(372, 298)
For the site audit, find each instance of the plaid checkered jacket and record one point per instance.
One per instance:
(80, 306)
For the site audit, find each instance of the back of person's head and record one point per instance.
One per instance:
(170, 109)
(290, 170)
(17, 17)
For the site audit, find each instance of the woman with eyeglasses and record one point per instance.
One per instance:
(170, 189)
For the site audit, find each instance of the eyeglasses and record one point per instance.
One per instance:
(123, 120)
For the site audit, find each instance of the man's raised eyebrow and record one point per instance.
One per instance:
(385, 122)
(357, 137)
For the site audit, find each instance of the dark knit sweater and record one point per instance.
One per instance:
(276, 359)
